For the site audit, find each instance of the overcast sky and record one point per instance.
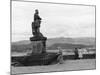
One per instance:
(57, 20)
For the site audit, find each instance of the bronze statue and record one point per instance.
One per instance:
(37, 17)
(36, 25)
(37, 35)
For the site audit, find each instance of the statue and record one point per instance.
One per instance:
(37, 17)
(37, 35)
(36, 25)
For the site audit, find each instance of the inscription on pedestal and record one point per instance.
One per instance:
(37, 47)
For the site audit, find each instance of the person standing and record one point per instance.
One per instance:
(80, 52)
(76, 53)
(60, 57)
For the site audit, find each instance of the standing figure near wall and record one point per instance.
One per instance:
(76, 53)
(60, 57)
(80, 52)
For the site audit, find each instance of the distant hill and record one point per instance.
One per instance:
(27, 47)
(68, 46)
(84, 41)
(53, 43)
(23, 42)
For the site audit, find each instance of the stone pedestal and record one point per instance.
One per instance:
(38, 45)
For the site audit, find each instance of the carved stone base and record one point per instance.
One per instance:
(37, 47)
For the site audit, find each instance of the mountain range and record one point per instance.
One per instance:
(53, 43)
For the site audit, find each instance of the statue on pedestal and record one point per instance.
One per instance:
(37, 35)
(38, 56)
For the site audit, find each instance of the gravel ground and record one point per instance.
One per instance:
(68, 65)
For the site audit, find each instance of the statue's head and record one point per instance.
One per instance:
(36, 11)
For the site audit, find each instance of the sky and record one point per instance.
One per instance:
(58, 20)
